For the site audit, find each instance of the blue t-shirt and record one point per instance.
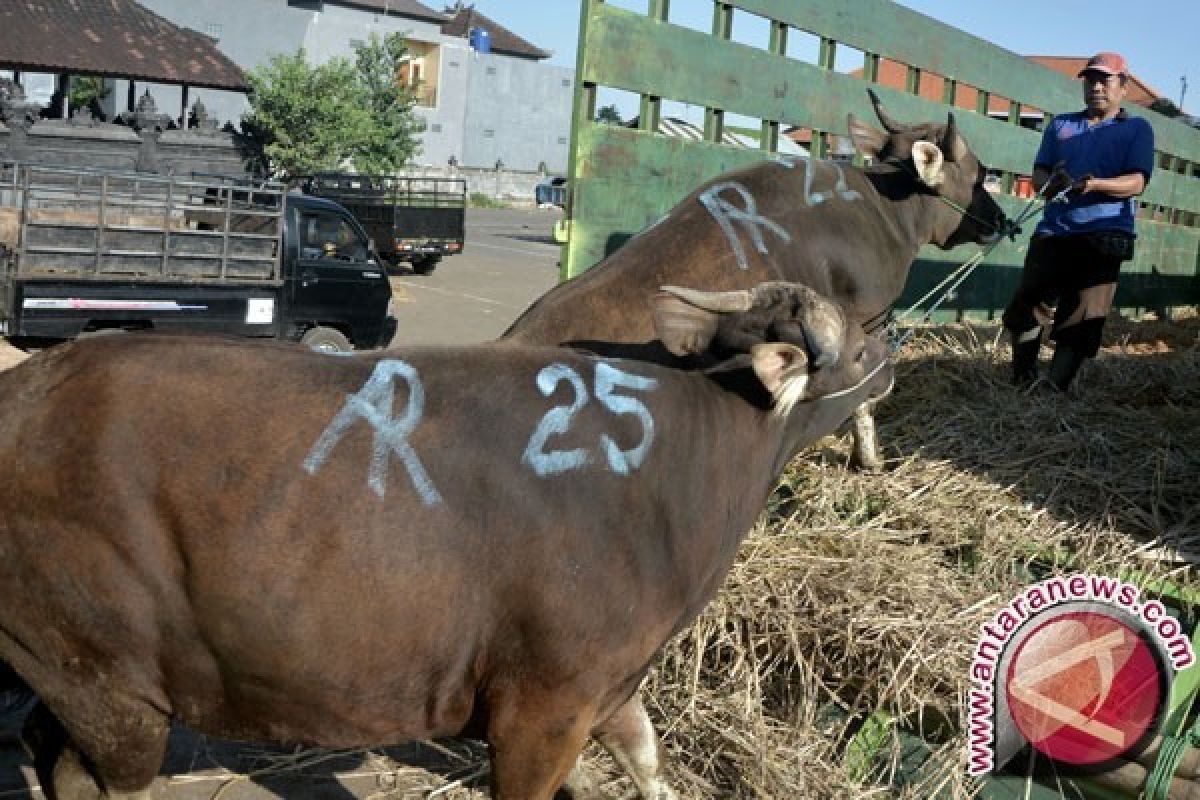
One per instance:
(1118, 146)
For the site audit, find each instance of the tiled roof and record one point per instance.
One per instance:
(895, 74)
(110, 38)
(1139, 91)
(502, 39)
(401, 8)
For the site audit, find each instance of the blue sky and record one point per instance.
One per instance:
(1160, 38)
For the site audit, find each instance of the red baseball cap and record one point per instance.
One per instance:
(1108, 63)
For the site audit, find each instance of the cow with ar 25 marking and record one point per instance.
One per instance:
(849, 233)
(492, 541)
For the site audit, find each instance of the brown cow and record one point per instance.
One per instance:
(849, 233)
(271, 544)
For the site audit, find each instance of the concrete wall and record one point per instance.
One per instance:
(519, 113)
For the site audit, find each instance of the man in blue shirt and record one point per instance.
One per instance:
(1103, 157)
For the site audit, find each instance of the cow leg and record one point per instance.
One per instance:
(533, 752)
(630, 738)
(865, 452)
(122, 769)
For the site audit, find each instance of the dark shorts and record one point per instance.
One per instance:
(1057, 269)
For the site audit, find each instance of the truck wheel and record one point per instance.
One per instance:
(326, 340)
(425, 265)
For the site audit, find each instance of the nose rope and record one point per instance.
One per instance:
(962, 272)
(857, 386)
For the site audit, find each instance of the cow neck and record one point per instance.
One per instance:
(913, 217)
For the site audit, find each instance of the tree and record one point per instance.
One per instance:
(308, 119)
(303, 118)
(609, 115)
(390, 140)
(87, 91)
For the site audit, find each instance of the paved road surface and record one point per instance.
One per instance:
(510, 259)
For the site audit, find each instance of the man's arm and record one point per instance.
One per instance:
(1121, 186)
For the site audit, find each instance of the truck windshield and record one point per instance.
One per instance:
(329, 236)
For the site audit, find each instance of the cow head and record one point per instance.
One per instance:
(802, 347)
(940, 161)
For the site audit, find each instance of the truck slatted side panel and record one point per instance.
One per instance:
(82, 225)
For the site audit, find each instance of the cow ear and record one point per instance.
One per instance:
(683, 328)
(867, 140)
(778, 363)
(928, 160)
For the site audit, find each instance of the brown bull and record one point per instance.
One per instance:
(271, 544)
(849, 233)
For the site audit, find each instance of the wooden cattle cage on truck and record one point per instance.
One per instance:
(623, 179)
(92, 228)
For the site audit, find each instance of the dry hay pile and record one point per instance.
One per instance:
(865, 592)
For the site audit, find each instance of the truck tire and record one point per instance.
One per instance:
(425, 264)
(326, 340)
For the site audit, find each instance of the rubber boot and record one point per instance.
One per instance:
(1063, 366)
(1025, 361)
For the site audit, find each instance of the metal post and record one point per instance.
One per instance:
(103, 222)
(225, 232)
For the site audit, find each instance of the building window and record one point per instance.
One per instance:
(308, 5)
(488, 133)
(214, 30)
(491, 70)
(452, 63)
(436, 127)
(566, 81)
(562, 140)
(355, 44)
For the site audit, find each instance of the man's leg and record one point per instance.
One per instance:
(1029, 310)
(1077, 337)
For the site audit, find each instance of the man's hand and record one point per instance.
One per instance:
(1058, 182)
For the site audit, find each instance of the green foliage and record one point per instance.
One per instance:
(308, 119)
(481, 200)
(609, 115)
(390, 140)
(86, 89)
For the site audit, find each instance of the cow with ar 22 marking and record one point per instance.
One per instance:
(849, 233)
(492, 541)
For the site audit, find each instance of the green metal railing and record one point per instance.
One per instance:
(623, 178)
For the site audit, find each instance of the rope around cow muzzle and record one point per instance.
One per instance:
(1009, 228)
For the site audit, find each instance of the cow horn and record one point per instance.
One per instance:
(713, 301)
(890, 125)
(952, 145)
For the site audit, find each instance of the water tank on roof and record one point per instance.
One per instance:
(480, 40)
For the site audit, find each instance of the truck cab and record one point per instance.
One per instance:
(337, 292)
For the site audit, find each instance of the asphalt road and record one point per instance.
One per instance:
(509, 260)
